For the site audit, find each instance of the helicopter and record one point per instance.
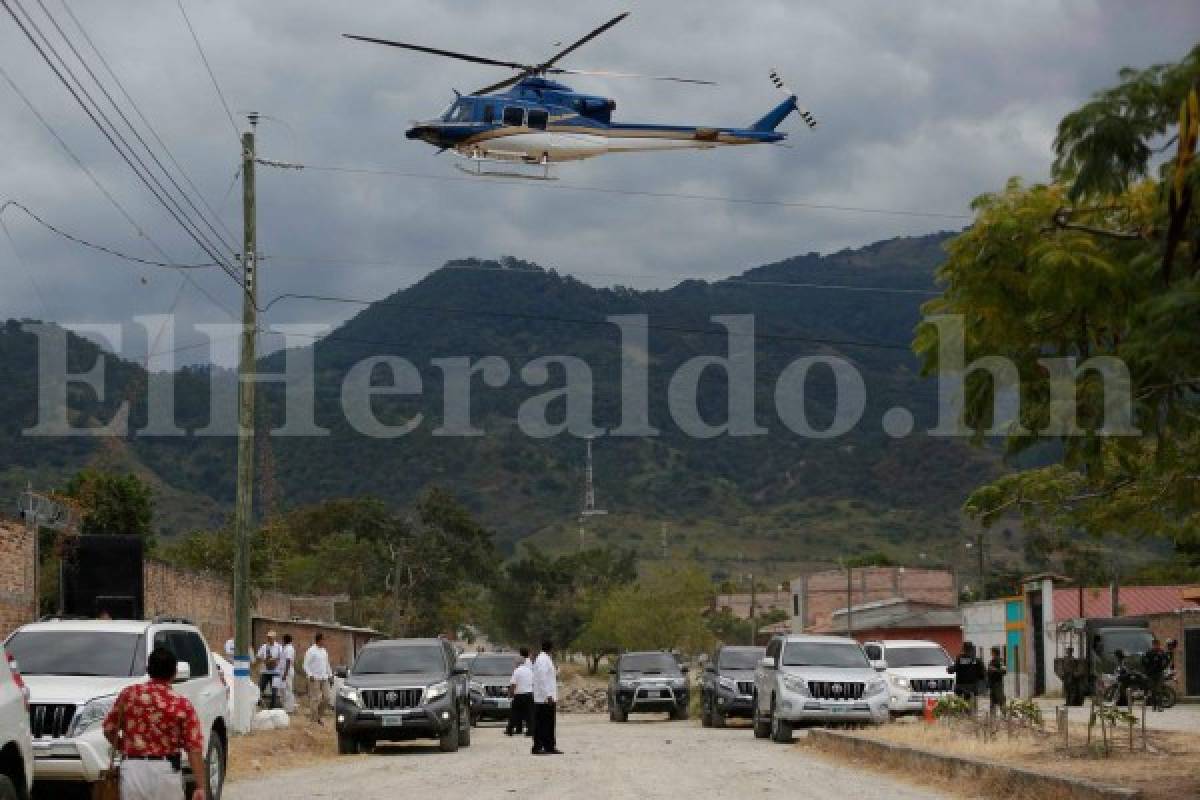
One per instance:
(539, 121)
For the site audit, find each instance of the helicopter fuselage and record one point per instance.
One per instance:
(543, 121)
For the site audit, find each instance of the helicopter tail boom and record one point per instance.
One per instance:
(779, 113)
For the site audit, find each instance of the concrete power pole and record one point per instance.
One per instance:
(589, 497)
(243, 513)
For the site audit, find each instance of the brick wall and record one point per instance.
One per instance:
(17, 603)
(821, 593)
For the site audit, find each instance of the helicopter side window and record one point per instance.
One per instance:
(514, 116)
(489, 114)
(538, 118)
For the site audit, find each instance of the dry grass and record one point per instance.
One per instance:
(299, 745)
(1170, 770)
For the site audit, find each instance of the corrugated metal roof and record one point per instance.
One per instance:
(1132, 601)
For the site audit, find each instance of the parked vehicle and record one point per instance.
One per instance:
(403, 689)
(16, 742)
(651, 681)
(808, 678)
(74, 670)
(1094, 642)
(915, 671)
(490, 675)
(727, 686)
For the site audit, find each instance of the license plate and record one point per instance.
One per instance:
(504, 702)
(393, 721)
(838, 709)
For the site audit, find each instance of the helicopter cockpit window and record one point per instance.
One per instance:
(459, 112)
(538, 118)
(514, 116)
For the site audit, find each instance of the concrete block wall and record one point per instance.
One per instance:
(818, 595)
(17, 602)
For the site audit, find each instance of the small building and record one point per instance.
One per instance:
(739, 604)
(817, 595)
(899, 618)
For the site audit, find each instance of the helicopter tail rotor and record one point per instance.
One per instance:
(804, 113)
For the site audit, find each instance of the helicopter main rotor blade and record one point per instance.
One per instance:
(607, 74)
(504, 84)
(546, 65)
(439, 52)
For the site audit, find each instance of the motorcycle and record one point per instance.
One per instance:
(1135, 681)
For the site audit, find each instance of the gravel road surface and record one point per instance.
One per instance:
(644, 758)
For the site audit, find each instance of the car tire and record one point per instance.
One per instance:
(449, 741)
(620, 715)
(706, 714)
(347, 745)
(8, 790)
(781, 730)
(762, 728)
(681, 713)
(1168, 697)
(464, 736)
(214, 763)
(718, 719)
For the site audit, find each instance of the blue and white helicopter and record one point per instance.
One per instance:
(539, 121)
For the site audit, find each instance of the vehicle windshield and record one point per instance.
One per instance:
(741, 659)
(495, 665)
(458, 112)
(649, 663)
(400, 660)
(106, 654)
(823, 654)
(1133, 642)
(917, 657)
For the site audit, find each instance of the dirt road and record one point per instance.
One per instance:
(644, 758)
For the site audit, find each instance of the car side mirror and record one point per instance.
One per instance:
(341, 672)
(183, 672)
(767, 663)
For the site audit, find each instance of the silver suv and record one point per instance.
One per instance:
(16, 745)
(74, 670)
(805, 678)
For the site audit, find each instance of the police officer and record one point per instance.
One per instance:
(1071, 678)
(968, 672)
(996, 670)
(1155, 662)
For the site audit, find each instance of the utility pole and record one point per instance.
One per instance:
(589, 496)
(753, 603)
(849, 600)
(982, 574)
(243, 512)
(663, 539)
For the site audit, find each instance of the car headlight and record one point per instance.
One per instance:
(349, 694)
(436, 690)
(728, 683)
(875, 687)
(91, 714)
(794, 683)
(898, 682)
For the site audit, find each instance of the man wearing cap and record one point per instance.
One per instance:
(270, 654)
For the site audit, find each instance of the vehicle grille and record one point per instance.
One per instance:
(745, 687)
(931, 684)
(495, 691)
(836, 690)
(50, 719)
(390, 699)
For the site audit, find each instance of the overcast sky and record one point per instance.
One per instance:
(922, 105)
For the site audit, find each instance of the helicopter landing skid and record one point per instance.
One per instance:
(477, 162)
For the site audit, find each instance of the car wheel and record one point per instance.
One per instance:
(1168, 697)
(620, 714)
(8, 790)
(718, 719)
(781, 730)
(762, 727)
(347, 746)
(464, 736)
(215, 763)
(706, 714)
(681, 712)
(449, 741)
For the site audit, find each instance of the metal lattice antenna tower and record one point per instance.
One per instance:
(589, 495)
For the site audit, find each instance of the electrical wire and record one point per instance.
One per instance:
(25, 268)
(573, 187)
(212, 76)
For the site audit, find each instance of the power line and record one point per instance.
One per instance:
(570, 187)
(92, 245)
(143, 174)
(100, 186)
(25, 268)
(208, 67)
(137, 109)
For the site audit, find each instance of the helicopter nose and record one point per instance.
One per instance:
(424, 132)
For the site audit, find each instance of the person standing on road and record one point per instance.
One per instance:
(1155, 663)
(968, 673)
(545, 695)
(995, 681)
(320, 678)
(287, 674)
(270, 655)
(150, 725)
(520, 689)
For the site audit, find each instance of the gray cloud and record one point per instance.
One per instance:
(923, 105)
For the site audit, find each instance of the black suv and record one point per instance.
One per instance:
(402, 689)
(647, 681)
(491, 674)
(727, 688)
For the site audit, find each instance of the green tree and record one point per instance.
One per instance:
(113, 503)
(1103, 262)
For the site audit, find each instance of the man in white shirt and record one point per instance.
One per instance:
(545, 695)
(520, 688)
(270, 654)
(320, 678)
(287, 674)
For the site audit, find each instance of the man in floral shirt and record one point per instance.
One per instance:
(150, 725)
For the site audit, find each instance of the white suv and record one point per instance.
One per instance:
(805, 678)
(74, 670)
(16, 746)
(914, 669)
